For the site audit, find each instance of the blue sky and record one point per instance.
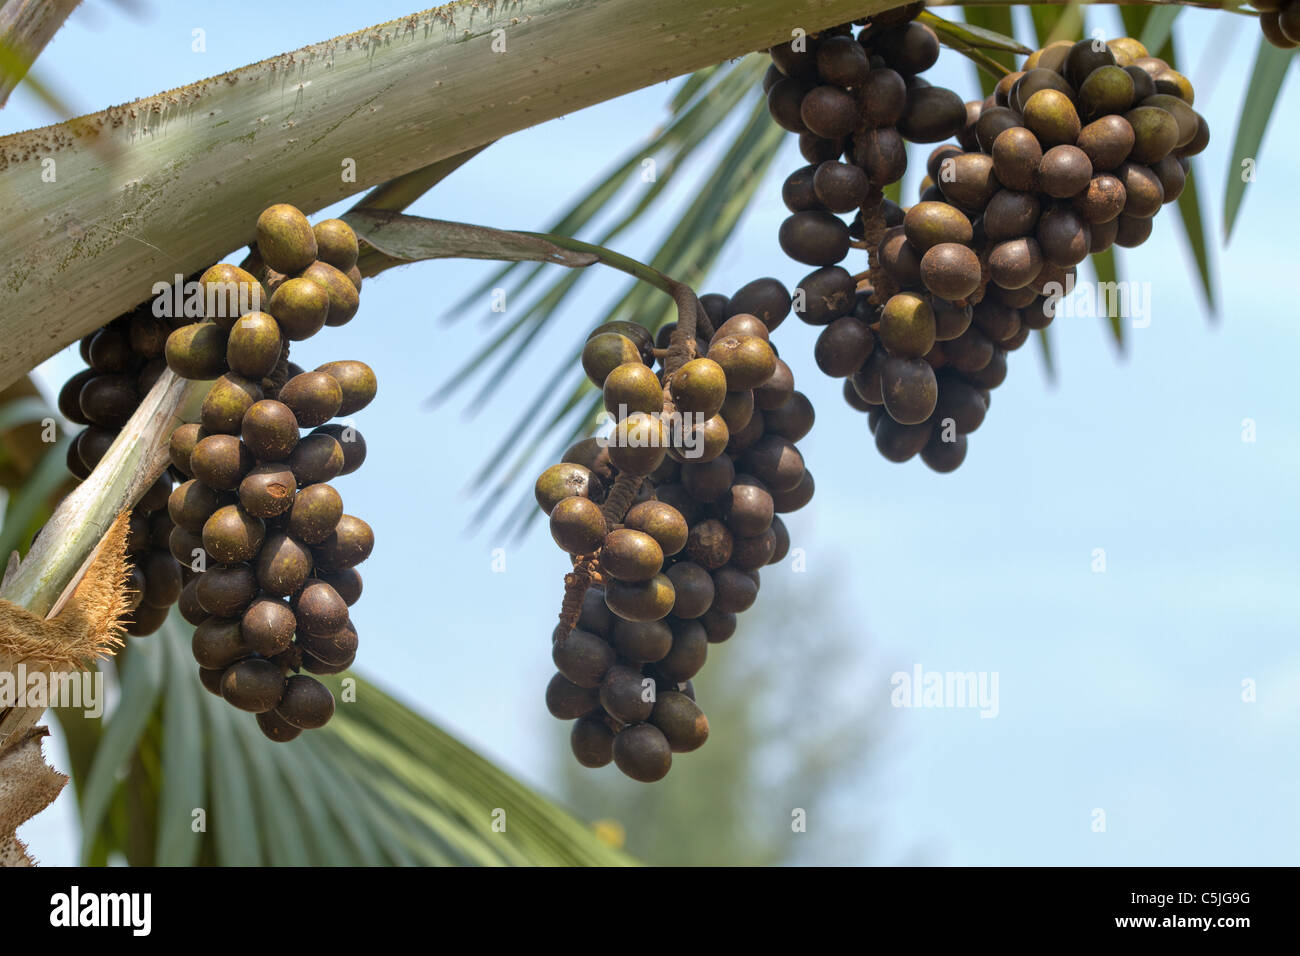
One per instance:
(1118, 690)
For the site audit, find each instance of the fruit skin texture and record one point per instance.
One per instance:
(577, 525)
(285, 238)
(643, 753)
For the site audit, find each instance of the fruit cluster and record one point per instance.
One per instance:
(257, 500)
(1280, 21)
(704, 454)
(1073, 153)
(124, 359)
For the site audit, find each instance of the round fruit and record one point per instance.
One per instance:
(230, 397)
(336, 243)
(220, 461)
(681, 721)
(642, 601)
(268, 625)
(285, 239)
(315, 513)
(630, 555)
(282, 565)
(269, 430)
(253, 347)
(356, 380)
(197, 351)
(306, 702)
(577, 525)
(592, 742)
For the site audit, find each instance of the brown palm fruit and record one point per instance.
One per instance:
(681, 721)
(1050, 115)
(1033, 81)
(776, 391)
(630, 555)
(181, 445)
(269, 430)
(814, 237)
(735, 592)
(343, 297)
(267, 625)
(632, 387)
(1188, 119)
(566, 700)
(1132, 231)
(824, 295)
(641, 642)
(1155, 133)
(306, 702)
(565, 480)
(1011, 214)
(899, 257)
(709, 544)
(226, 590)
(829, 112)
(1064, 171)
(931, 115)
(1107, 90)
(909, 389)
(641, 751)
(109, 400)
(231, 535)
(693, 590)
(746, 360)
(1063, 236)
(746, 508)
(197, 351)
(1172, 178)
(315, 513)
(642, 600)
(230, 292)
(350, 440)
(592, 742)
(218, 642)
(1143, 192)
(335, 648)
(253, 346)
(220, 461)
(285, 239)
(357, 381)
(690, 649)
(317, 457)
(951, 270)
(268, 490)
(928, 224)
(336, 243)
(639, 443)
(300, 307)
(276, 728)
(698, 387)
(318, 609)
(1103, 200)
(313, 397)
(883, 97)
(577, 525)
(708, 481)
(774, 461)
(1107, 142)
(765, 298)
(793, 420)
(785, 103)
(660, 521)
(1015, 263)
(230, 397)
(282, 565)
(839, 187)
(253, 685)
(1016, 157)
(605, 352)
(970, 182)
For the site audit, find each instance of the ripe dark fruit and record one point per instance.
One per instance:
(220, 461)
(825, 294)
(970, 183)
(254, 685)
(1011, 214)
(797, 191)
(899, 257)
(932, 114)
(577, 525)
(353, 444)
(708, 481)
(643, 753)
(318, 609)
(814, 238)
(1015, 263)
(793, 420)
(270, 430)
(108, 400)
(950, 270)
(1142, 190)
(897, 442)
(226, 590)
(316, 512)
(842, 347)
(218, 643)
(1103, 200)
(630, 555)
(274, 727)
(1132, 231)
(909, 389)
(633, 387)
(267, 490)
(592, 742)
(627, 695)
(1172, 178)
(746, 360)
(778, 389)
(681, 721)
(232, 535)
(766, 299)
(1063, 236)
(1033, 81)
(829, 112)
(306, 702)
(253, 346)
(1064, 171)
(641, 601)
(735, 592)
(336, 648)
(191, 504)
(694, 590)
(267, 625)
(774, 461)
(567, 701)
(928, 224)
(182, 443)
(230, 397)
(1016, 158)
(1108, 89)
(583, 658)
(641, 642)
(1106, 142)
(318, 457)
(197, 351)
(785, 103)
(282, 565)
(356, 380)
(746, 508)
(839, 187)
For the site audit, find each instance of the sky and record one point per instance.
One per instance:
(1114, 550)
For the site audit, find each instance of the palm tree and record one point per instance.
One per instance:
(382, 784)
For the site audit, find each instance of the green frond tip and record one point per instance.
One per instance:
(971, 35)
(1271, 65)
